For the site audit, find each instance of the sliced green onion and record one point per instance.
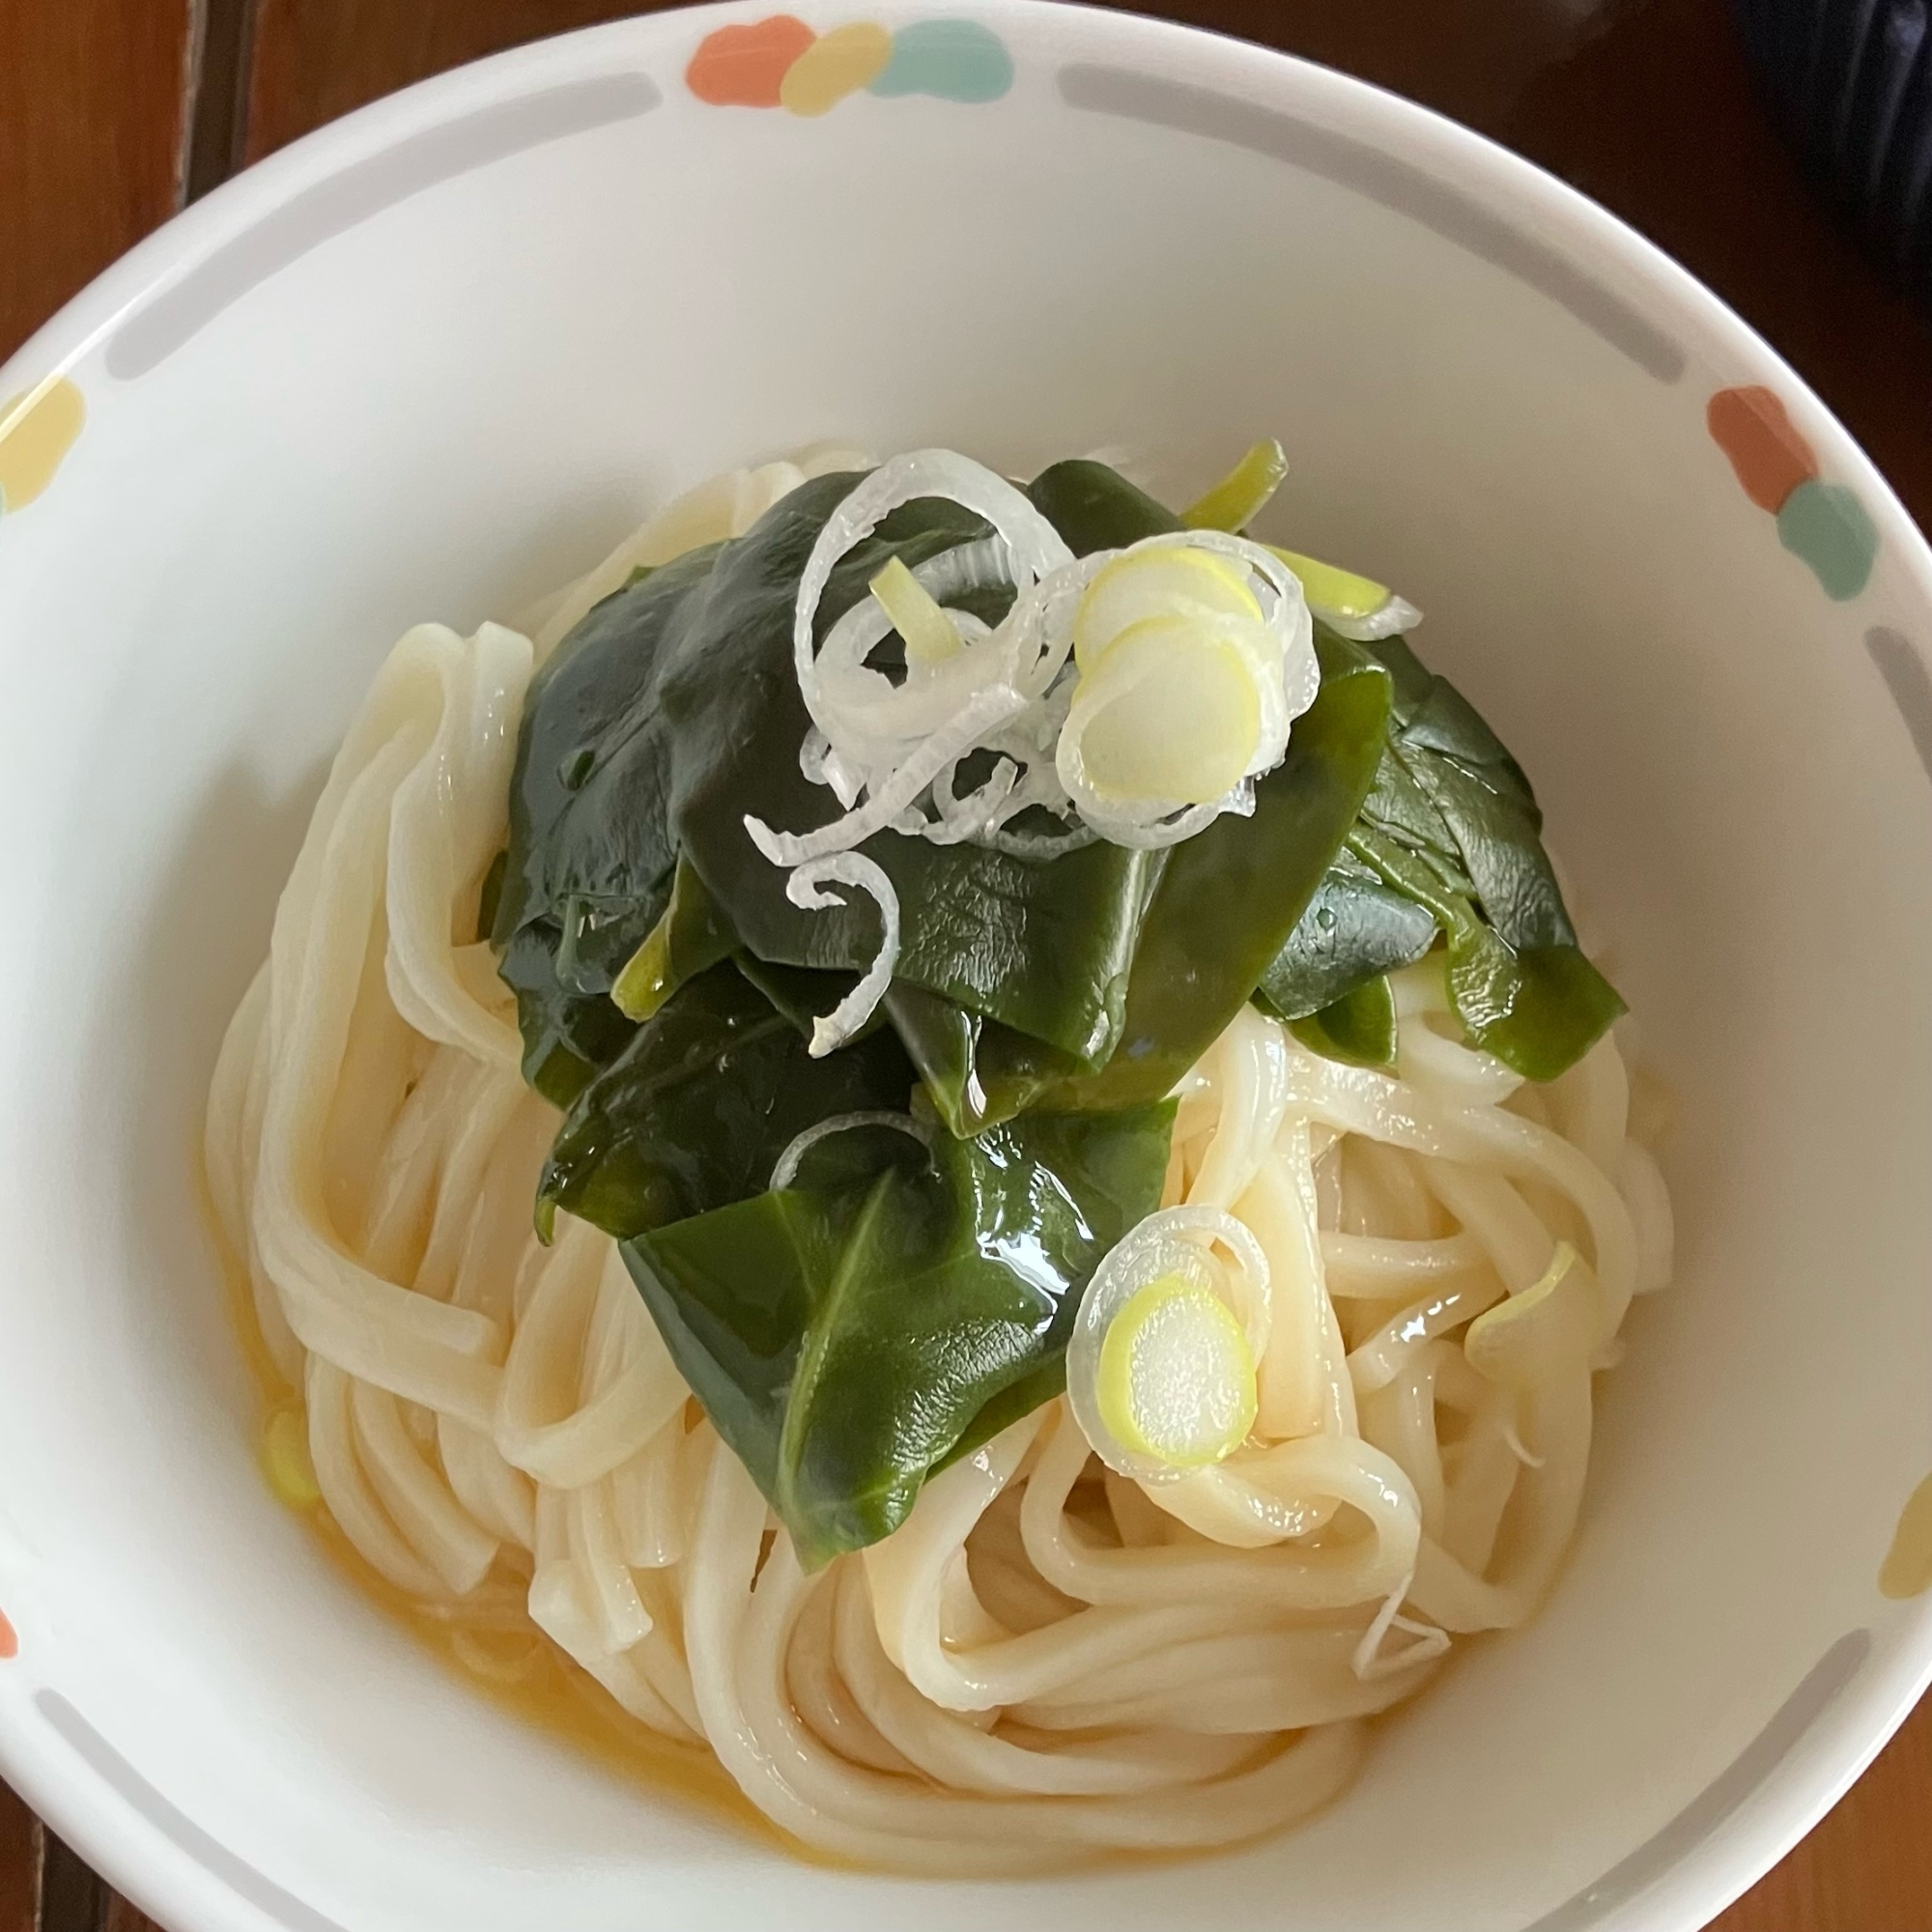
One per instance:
(691, 935)
(1332, 592)
(1174, 580)
(1552, 1328)
(1177, 1379)
(1172, 710)
(1161, 1365)
(927, 631)
(646, 983)
(285, 1458)
(1243, 493)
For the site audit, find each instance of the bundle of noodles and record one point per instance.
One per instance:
(1049, 1659)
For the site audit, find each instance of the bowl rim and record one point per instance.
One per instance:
(1746, 1838)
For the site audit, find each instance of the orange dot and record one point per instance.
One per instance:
(1772, 459)
(745, 67)
(10, 1644)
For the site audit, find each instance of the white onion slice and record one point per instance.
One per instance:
(821, 765)
(805, 888)
(1136, 830)
(1040, 844)
(983, 565)
(974, 814)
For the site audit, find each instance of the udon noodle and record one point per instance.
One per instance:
(1048, 1660)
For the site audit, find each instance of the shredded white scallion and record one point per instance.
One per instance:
(807, 888)
(1394, 617)
(784, 1170)
(941, 750)
(1368, 1661)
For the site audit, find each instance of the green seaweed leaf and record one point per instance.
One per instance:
(696, 1111)
(673, 711)
(850, 1332)
(690, 935)
(1225, 906)
(1449, 843)
(1354, 930)
(1094, 507)
(1359, 1028)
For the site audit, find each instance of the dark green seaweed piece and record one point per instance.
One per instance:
(696, 1110)
(1231, 895)
(673, 711)
(587, 817)
(1459, 805)
(489, 894)
(1225, 904)
(975, 1070)
(1359, 1027)
(1449, 841)
(848, 1334)
(567, 1036)
(1481, 802)
(1354, 930)
(1538, 1009)
(1094, 507)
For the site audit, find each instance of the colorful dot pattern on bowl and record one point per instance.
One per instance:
(37, 429)
(1822, 524)
(1908, 1563)
(9, 1643)
(782, 63)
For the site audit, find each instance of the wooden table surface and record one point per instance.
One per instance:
(115, 112)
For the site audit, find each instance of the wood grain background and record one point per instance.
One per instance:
(113, 113)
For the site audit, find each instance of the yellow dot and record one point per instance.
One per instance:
(834, 65)
(1907, 1571)
(36, 429)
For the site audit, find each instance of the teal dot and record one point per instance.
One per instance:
(956, 60)
(1826, 525)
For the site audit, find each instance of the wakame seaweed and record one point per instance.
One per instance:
(696, 1111)
(1223, 908)
(673, 710)
(1449, 842)
(844, 1333)
(909, 1291)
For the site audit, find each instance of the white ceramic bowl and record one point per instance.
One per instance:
(435, 358)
